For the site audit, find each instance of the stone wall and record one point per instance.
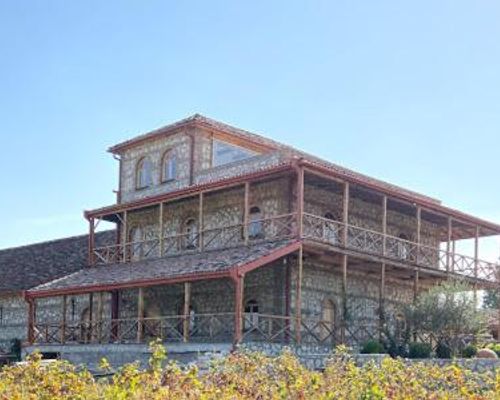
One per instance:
(14, 320)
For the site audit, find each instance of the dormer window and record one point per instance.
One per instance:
(169, 166)
(144, 173)
(225, 153)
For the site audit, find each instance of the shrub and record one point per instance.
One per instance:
(419, 350)
(486, 353)
(495, 347)
(443, 350)
(469, 351)
(372, 347)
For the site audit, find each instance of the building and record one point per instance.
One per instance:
(225, 237)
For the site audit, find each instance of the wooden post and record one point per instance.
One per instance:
(63, 324)
(246, 211)
(415, 285)
(345, 213)
(300, 201)
(125, 236)
(186, 311)
(238, 308)
(91, 317)
(200, 222)
(31, 319)
(100, 306)
(476, 263)
(419, 231)
(160, 227)
(384, 225)
(382, 301)
(115, 314)
(140, 315)
(344, 298)
(298, 296)
(287, 297)
(91, 242)
(449, 261)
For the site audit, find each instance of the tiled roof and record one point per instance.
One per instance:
(24, 267)
(272, 144)
(164, 269)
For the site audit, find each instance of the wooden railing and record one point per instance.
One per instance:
(272, 228)
(403, 251)
(267, 328)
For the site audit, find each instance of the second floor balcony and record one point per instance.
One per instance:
(313, 230)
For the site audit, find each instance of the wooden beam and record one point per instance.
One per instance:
(382, 301)
(31, 319)
(63, 323)
(384, 224)
(300, 201)
(160, 227)
(91, 316)
(239, 288)
(125, 236)
(476, 262)
(345, 213)
(100, 307)
(287, 297)
(415, 285)
(91, 242)
(140, 315)
(246, 211)
(298, 296)
(449, 260)
(200, 221)
(186, 311)
(344, 297)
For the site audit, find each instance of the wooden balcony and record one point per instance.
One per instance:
(334, 234)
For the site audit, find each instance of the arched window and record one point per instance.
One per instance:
(169, 166)
(255, 227)
(144, 173)
(251, 315)
(190, 234)
(330, 228)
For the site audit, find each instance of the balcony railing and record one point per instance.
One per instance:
(399, 250)
(272, 228)
(315, 228)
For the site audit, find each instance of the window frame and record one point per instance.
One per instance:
(168, 156)
(140, 170)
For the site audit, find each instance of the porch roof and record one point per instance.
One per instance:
(167, 270)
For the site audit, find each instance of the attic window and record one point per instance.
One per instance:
(225, 153)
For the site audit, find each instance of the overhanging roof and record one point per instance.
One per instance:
(167, 270)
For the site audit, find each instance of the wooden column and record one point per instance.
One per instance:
(476, 262)
(115, 313)
(287, 297)
(63, 323)
(382, 301)
(200, 221)
(125, 237)
(344, 298)
(419, 232)
(239, 283)
(300, 201)
(160, 227)
(449, 260)
(100, 306)
(31, 319)
(91, 242)
(415, 285)
(140, 315)
(186, 311)
(345, 213)
(298, 296)
(91, 316)
(246, 211)
(384, 225)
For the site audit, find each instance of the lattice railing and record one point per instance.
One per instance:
(397, 249)
(271, 228)
(267, 328)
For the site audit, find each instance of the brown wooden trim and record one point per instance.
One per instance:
(298, 296)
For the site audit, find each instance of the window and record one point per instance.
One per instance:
(135, 244)
(1, 315)
(225, 153)
(255, 227)
(403, 247)
(169, 166)
(252, 315)
(190, 234)
(144, 173)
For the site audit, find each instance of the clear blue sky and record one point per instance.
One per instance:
(404, 91)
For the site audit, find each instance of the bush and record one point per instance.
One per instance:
(372, 347)
(443, 350)
(495, 347)
(486, 353)
(469, 351)
(419, 350)
(243, 375)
